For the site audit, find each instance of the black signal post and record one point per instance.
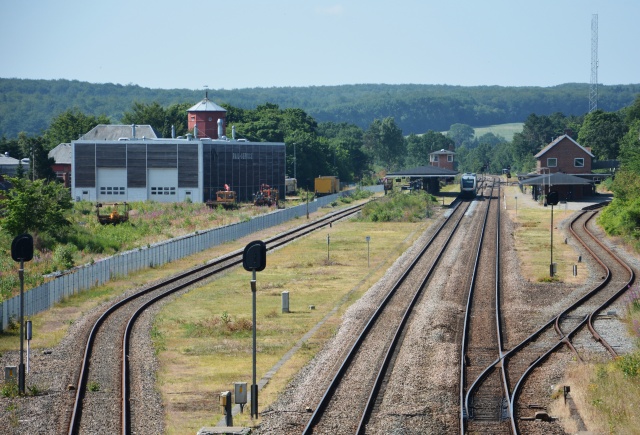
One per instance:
(552, 199)
(254, 259)
(21, 251)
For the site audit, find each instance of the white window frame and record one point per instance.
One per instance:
(434, 157)
(449, 158)
(575, 162)
(555, 162)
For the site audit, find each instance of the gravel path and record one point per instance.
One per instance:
(421, 399)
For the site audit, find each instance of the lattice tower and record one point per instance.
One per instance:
(593, 89)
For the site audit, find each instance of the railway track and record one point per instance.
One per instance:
(519, 363)
(355, 393)
(484, 396)
(106, 364)
(580, 315)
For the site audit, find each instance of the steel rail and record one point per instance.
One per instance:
(466, 399)
(566, 339)
(232, 259)
(324, 401)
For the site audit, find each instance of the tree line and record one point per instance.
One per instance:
(30, 105)
(364, 155)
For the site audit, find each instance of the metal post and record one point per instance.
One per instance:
(254, 385)
(29, 335)
(328, 247)
(368, 257)
(21, 374)
(516, 206)
(307, 204)
(294, 163)
(551, 263)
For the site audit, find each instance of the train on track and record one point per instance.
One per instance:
(468, 185)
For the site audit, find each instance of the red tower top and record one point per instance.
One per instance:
(205, 116)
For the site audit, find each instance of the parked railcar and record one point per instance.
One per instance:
(327, 185)
(468, 185)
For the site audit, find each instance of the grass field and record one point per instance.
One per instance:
(505, 130)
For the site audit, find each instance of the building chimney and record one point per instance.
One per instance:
(133, 131)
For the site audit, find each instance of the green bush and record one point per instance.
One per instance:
(63, 256)
(398, 207)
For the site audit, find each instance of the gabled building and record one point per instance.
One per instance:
(565, 156)
(9, 165)
(207, 120)
(442, 159)
(61, 156)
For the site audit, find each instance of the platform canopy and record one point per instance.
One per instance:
(424, 172)
(555, 179)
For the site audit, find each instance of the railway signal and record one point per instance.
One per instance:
(254, 259)
(21, 251)
(552, 199)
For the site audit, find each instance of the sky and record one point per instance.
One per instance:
(197, 44)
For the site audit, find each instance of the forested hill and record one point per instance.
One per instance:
(29, 105)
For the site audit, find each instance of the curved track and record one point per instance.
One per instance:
(106, 365)
(519, 363)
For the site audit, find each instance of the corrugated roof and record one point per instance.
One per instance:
(555, 142)
(115, 132)
(424, 171)
(61, 154)
(206, 105)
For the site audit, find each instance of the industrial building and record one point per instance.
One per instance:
(132, 167)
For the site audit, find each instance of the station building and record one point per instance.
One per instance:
(115, 163)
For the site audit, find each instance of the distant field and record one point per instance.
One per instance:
(505, 130)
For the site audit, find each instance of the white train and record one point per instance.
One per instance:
(468, 185)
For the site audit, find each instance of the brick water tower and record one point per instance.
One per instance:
(208, 119)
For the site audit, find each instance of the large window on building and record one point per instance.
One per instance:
(434, 157)
(578, 162)
(552, 162)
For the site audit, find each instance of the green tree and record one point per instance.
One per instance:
(602, 132)
(159, 118)
(11, 147)
(419, 147)
(35, 206)
(632, 113)
(345, 142)
(385, 142)
(40, 165)
(69, 126)
(461, 134)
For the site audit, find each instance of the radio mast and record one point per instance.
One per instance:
(593, 89)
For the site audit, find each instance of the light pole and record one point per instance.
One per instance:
(543, 185)
(294, 163)
(368, 239)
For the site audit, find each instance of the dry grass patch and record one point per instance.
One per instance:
(217, 357)
(533, 240)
